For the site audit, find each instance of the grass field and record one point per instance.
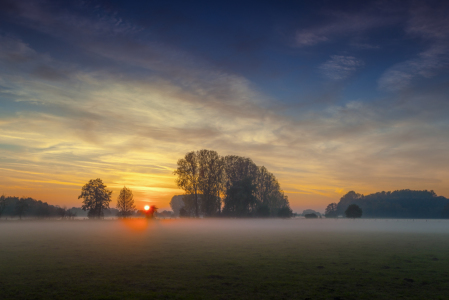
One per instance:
(225, 259)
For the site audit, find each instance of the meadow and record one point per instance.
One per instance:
(225, 259)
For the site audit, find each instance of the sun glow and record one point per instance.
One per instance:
(147, 207)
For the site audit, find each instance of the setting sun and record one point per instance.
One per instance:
(147, 207)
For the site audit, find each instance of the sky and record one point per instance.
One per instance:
(330, 96)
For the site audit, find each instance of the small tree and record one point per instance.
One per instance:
(311, 216)
(353, 211)
(331, 211)
(96, 198)
(125, 203)
(150, 213)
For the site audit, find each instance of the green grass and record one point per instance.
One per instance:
(223, 259)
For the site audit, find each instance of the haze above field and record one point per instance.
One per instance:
(329, 97)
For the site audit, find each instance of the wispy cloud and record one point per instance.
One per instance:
(340, 25)
(432, 26)
(340, 67)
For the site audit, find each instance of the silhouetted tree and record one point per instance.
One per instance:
(21, 207)
(125, 203)
(188, 177)
(350, 198)
(62, 212)
(3, 203)
(353, 211)
(311, 216)
(96, 198)
(397, 204)
(268, 191)
(285, 212)
(331, 211)
(208, 178)
(150, 213)
(240, 200)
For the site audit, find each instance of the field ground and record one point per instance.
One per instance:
(225, 259)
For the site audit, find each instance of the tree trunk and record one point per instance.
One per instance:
(196, 204)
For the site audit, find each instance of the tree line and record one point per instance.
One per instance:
(230, 186)
(397, 204)
(29, 207)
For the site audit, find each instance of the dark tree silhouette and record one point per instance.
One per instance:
(398, 204)
(150, 213)
(21, 207)
(246, 189)
(3, 203)
(240, 200)
(331, 211)
(445, 212)
(353, 211)
(311, 216)
(96, 198)
(285, 212)
(125, 203)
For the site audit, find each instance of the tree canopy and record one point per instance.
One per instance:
(228, 186)
(353, 211)
(95, 197)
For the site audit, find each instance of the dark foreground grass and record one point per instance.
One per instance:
(223, 259)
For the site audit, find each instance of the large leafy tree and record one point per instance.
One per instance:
(125, 203)
(246, 189)
(188, 178)
(269, 194)
(240, 200)
(95, 197)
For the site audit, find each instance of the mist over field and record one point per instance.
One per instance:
(225, 259)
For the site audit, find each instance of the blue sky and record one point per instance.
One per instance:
(330, 96)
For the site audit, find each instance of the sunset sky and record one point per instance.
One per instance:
(330, 96)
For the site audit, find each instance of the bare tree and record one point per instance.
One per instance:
(125, 203)
(188, 177)
(96, 198)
